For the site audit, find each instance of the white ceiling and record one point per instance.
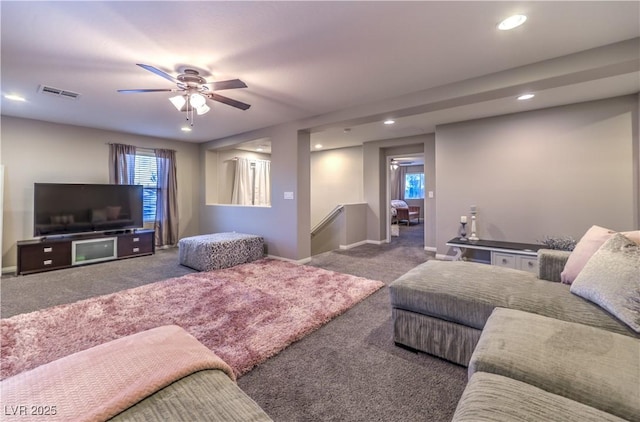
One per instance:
(299, 60)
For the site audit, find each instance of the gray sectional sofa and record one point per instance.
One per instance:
(534, 349)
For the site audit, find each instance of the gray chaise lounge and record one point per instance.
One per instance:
(441, 307)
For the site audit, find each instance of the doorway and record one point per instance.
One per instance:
(405, 194)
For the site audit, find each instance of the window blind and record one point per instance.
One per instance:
(146, 174)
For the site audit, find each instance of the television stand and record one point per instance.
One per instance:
(55, 253)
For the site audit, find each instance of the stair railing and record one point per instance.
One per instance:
(326, 220)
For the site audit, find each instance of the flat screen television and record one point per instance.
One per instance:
(71, 208)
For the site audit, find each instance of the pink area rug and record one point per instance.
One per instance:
(244, 314)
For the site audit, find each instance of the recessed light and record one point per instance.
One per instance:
(318, 146)
(512, 22)
(526, 96)
(389, 122)
(185, 129)
(14, 97)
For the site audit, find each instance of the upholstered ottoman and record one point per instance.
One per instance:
(219, 250)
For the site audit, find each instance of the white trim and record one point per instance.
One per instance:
(353, 245)
(10, 270)
(299, 261)
(430, 249)
(377, 242)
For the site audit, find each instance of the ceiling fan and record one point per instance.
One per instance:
(194, 90)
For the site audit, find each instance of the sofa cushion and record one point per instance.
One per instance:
(611, 279)
(490, 397)
(595, 367)
(466, 293)
(203, 396)
(586, 247)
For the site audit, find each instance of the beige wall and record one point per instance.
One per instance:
(285, 225)
(336, 178)
(548, 172)
(36, 151)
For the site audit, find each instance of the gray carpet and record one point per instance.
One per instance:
(36, 291)
(348, 370)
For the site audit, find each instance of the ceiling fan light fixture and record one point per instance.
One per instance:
(202, 109)
(178, 101)
(197, 101)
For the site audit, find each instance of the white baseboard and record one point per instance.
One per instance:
(430, 249)
(299, 261)
(363, 242)
(9, 270)
(377, 242)
(166, 247)
(353, 245)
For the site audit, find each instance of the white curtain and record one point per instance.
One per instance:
(251, 184)
(262, 186)
(242, 183)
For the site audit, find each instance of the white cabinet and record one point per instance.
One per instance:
(519, 256)
(527, 263)
(502, 259)
(515, 261)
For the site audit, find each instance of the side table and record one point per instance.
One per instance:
(520, 256)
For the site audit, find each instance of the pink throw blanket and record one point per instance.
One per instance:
(100, 382)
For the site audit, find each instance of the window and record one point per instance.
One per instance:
(147, 176)
(414, 186)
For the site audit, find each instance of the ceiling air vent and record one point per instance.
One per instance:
(58, 92)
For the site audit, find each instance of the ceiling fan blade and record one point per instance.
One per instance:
(130, 91)
(158, 72)
(228, 101)
(230, 84)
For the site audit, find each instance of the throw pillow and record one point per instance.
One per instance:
(611, 279)
(592, 240)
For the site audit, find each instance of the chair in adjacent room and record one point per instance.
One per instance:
(405, 212)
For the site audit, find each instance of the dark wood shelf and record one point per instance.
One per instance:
(46, 254)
